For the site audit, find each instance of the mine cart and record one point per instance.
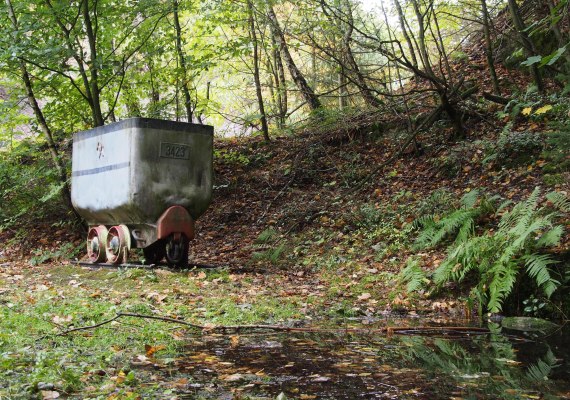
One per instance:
(141, 183)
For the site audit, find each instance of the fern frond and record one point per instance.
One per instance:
(470, 199)
(543, 367)
(497, 256)
(537, 268)
(504, 205)
(489, 204)
(521, 213)
(413, 275)
(452, 223)
(443, 273)
(476, 253)
(465, 231)
(551, 238)
(424, 221)
(560, 201)
(502, 281)
(521, 232)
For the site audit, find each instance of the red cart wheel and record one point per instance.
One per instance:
(96, 244)
(118, 244)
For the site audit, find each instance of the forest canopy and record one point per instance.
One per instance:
(251, 67)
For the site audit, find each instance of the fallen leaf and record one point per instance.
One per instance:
(233, 378)
(543, 109)
(61, 320)
(364, 296)
(526, 111)
(49, 394)
(208, 326)
(120, 378)
(150, 350)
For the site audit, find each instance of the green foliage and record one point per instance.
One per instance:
(66, 251)
(558, 147)
(230, 156)
(514, 149)
(368, 215)
(460, 222)
(273, 255)
(25, 172)
(413, 275)
(439, 201)
(497, 256)
(559, 201)
(542, 369)
(268, 235)
(533, 306)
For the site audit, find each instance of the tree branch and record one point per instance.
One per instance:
(403, 330)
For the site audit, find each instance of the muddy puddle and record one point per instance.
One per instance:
(438, 365)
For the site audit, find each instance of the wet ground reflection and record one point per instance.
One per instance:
(348, 366)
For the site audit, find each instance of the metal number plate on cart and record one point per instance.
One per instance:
(174, 150)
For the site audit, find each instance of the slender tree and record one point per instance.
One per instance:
(528, 44)
(306, 91)
(258, 89)
(32, 100)
(182, 61)
(489, 47)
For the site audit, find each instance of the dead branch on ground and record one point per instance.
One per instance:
(388, 330)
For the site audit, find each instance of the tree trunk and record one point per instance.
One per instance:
(182, 61)
(93, 67)
(342, 90)
(401, 19)
(526, 41)
(25, 76)
(367, 95)
(91, 89)
(489, 47)
(281, 81)
(264, 127)
(424, 55)
(306, 91)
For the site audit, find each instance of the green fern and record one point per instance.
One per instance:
(537, 268)
(499, 256)
(543, 367)
(413, 275)
(460, 222)
(560, 201)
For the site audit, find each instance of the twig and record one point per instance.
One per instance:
(84, 328)
(280, 328)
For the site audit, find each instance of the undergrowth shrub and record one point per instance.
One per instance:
(29, 185)
(268, 247)
(497, 256)
(514, 149)
(439, 201)
(557, 148)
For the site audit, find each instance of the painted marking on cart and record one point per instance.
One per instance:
(106, 168)
(175, 150)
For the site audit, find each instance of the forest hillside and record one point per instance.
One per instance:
(405, 158)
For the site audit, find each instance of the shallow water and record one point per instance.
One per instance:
(441, 365)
